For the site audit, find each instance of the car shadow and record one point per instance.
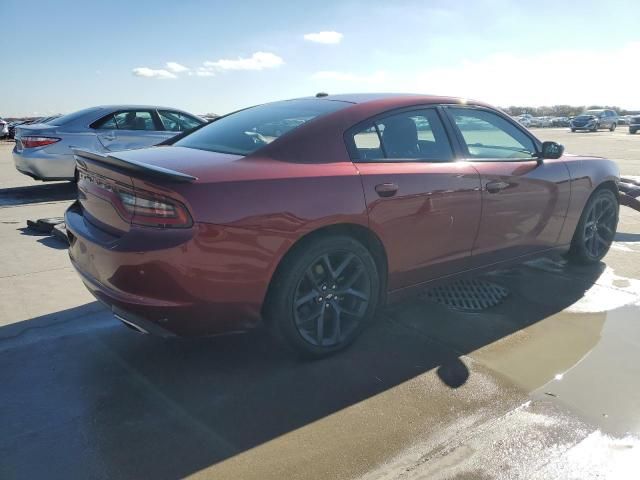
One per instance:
(82, 394)
(45, 192)
(627, 237)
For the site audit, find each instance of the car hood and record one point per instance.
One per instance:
(585, 117)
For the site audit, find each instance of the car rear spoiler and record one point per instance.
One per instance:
(140, 168)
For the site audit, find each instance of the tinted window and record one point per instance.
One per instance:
(246, 131)
(70, 117)
(105, 123)
(177, 121)
(488, 135)
(134, 120)
(416, 134)
(367, 144)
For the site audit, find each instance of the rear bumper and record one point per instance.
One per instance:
(39, 164)
(190, 283)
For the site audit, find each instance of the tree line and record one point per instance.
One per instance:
(562, 110)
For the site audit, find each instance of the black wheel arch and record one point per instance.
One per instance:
(362, 234)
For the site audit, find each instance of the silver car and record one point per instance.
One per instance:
(43, 150)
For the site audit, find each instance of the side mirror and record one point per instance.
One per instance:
(552, 150)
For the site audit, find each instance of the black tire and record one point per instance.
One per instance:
(632, 131)
(595, 127)
(613, 127)
(596, 228)
(308, 292)
(573, 130)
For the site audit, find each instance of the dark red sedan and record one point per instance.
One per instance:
(310, 213)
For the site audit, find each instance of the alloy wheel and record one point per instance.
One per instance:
(599, 229)
(331, 299)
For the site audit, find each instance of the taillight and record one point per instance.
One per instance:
(152, 210)
(140, 207)
(32, 142)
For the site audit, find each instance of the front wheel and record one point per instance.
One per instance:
(596, 228)
(595, 127)
(323, 296)
(612, 127)
(632, 131)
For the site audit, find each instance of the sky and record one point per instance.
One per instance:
(219, 56)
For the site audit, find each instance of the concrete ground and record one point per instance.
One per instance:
(544, 385)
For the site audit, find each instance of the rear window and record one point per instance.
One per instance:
(70, 117)
(248, 130)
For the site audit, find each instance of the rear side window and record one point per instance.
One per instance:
(248, 130)
(106, 123)
(126, 120)
(489, 136)
(410, 135)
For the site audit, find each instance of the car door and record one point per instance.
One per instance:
(424, 206)
(136, 128)
(524, 199)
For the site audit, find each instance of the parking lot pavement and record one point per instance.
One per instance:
(544, 385)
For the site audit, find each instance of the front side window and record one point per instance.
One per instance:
(489, 136)
(248, 130)
(134, 120)
(177, 121)
(414, 134)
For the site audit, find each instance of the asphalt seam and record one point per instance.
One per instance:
(35, 273)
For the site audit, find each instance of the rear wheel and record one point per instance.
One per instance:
(573, 130)
(632, 131)
(323, 295)
(596, 228)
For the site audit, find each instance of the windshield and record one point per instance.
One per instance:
(246, 131)
(70, 117)
(595, 113)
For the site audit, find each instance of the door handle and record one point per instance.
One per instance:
(386, 189)
(495, 187)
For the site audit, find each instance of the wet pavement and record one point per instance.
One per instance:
(545, 384)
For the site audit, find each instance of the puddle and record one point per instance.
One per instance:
(604, 386)
(585, 356)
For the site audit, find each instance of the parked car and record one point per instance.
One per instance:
(560, 121)
(525, 119)
(634, 123)
(4, 128)
(43, 150)
(12, 127)
(311, 231)
(623, 120)
(593, 120)
(545, 122)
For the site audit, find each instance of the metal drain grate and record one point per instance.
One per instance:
(468, 295)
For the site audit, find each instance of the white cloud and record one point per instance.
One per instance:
(563, 76)
(257, 61)
(176, 67)
(329, 38)
(203, 72)
(151, 73)
(374, 78)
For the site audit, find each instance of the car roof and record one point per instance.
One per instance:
(358, 98)
(132, 106)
